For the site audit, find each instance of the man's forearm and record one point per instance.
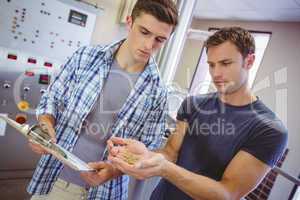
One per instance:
(168, 154)
(117, 173)
(196, 186)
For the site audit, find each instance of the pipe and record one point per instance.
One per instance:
(287, 176)
(170, 56)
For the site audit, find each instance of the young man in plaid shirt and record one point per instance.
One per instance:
(101, 92)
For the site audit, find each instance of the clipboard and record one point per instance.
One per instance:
(37, 135)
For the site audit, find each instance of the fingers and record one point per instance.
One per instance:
(52, 134)
(132, 170)
(96, 178)
(98, 165)
(111, 149)
(37, 148)
(110, 144)
(119, 163)
(118, 141)
(116, 161)
(47, 126)
(114, 151)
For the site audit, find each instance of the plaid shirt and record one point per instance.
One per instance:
(71, 97)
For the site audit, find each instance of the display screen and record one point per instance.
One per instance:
(44, 79)
(77, 18)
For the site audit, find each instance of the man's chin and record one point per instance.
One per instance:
(224, 91)
(142, 59)
(220, 89)
(221, 92)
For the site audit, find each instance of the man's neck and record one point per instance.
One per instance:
(126, 60)
(243, 96)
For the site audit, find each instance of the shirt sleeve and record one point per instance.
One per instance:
(268, 142)
(155, 125)
(186, 109)
(58, 89)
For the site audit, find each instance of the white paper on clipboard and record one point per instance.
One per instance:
(3, 125)
(70, 159)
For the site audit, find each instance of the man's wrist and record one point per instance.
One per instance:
(165, 167)
(116, 173)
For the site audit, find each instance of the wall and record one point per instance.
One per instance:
(188, 63)
(283, 52)
(107, 28)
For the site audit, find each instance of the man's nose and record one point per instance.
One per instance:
(149, 44)
(217, 72)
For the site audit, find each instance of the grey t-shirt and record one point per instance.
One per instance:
(96, 127)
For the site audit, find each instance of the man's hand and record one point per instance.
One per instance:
(115, 144)
(147, 164)
(105, 172)
(46, 123)
(37, 148)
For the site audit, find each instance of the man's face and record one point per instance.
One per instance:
(146, 36)
(228, 68)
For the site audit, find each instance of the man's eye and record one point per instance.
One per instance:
(159, 40)
(144, 32)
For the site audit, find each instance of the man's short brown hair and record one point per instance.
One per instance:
(240, 37)
(163, 10)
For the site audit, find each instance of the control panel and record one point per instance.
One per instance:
(48, 28)
(37, 36)
(24, 78)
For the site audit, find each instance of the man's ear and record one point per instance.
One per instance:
(129, 22)
(249, 61)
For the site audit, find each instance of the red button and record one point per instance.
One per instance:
(31, 60)
(21, 118)
(28, 73)
(12, 56)
(48, 64)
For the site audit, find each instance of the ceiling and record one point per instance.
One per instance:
(249, 10)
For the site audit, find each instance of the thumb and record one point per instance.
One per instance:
(118, 141)
(97, 165)
(47, 126)
(52, 134)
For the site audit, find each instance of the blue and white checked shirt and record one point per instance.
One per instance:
(71, 97)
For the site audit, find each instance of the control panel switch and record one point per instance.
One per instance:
(23, 105)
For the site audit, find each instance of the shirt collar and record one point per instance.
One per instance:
(109, 50)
